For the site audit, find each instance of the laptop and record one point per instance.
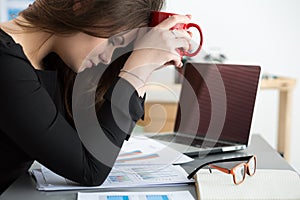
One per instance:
(215, 109)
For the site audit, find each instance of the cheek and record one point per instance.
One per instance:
(93, 48)
(93, 54)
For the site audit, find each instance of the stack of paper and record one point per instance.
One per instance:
(265, 184)
(120, 177)
(142, 162)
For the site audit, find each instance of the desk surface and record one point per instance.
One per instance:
(267, 158)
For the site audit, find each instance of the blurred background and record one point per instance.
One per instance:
(10, 8)
(264, 33)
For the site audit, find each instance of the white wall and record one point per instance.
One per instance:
(10, 8)
(263, 32)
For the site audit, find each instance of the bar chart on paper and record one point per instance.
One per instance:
(139, 156)
(147, 197)
(143, 150)
(121, 176)
(175, 195)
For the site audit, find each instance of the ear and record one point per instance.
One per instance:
(81, 6)
(76, 6)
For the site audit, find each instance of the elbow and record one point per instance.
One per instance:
(96, 177)
(94, 182)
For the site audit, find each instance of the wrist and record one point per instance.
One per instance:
(135, 81)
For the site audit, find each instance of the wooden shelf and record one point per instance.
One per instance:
(278, 83)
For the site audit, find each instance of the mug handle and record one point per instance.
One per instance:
(201, 40)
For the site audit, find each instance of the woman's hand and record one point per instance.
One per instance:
(155, 48)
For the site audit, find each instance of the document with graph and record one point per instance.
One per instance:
(174, 195)
(120, 177)
(143, 150)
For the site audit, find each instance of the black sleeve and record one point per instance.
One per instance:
(122, 103)
(31, 120)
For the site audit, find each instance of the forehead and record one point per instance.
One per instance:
(126, 34)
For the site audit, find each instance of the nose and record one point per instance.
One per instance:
(106, 56)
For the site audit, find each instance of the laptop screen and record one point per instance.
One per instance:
(217, 101)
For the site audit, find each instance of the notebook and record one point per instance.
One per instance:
(265, 184)
(215, 109)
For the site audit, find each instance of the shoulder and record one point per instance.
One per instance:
(13, 62)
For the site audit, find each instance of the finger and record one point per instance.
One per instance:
(190, 33)
(189, 16)
(183, 44)
(180, 36)
(173, 20)
(176, 60)
(180, 33)
(178, 63)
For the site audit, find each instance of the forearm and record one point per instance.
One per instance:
(121, 110)
(117, 117)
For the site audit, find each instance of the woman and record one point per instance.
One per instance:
(43, 49)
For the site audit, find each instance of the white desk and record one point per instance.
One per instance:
(267, 158)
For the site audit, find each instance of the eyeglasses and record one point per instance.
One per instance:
(238, 172)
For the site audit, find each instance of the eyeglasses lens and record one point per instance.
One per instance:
(239, 173)
(251, 166)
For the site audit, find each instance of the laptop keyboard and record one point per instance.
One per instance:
(196, 142)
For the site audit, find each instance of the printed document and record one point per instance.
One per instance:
(121, 176)
(143, 150)
(175, 195)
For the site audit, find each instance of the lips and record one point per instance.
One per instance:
(86, 64)
(103, 58)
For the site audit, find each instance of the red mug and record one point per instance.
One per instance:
(157, 17)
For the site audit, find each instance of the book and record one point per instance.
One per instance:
(263, 185)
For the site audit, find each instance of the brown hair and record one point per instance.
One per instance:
(100, 18)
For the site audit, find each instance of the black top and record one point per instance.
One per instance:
(33, 124)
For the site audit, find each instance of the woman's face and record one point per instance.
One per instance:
(103, 51)
(73, 49)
